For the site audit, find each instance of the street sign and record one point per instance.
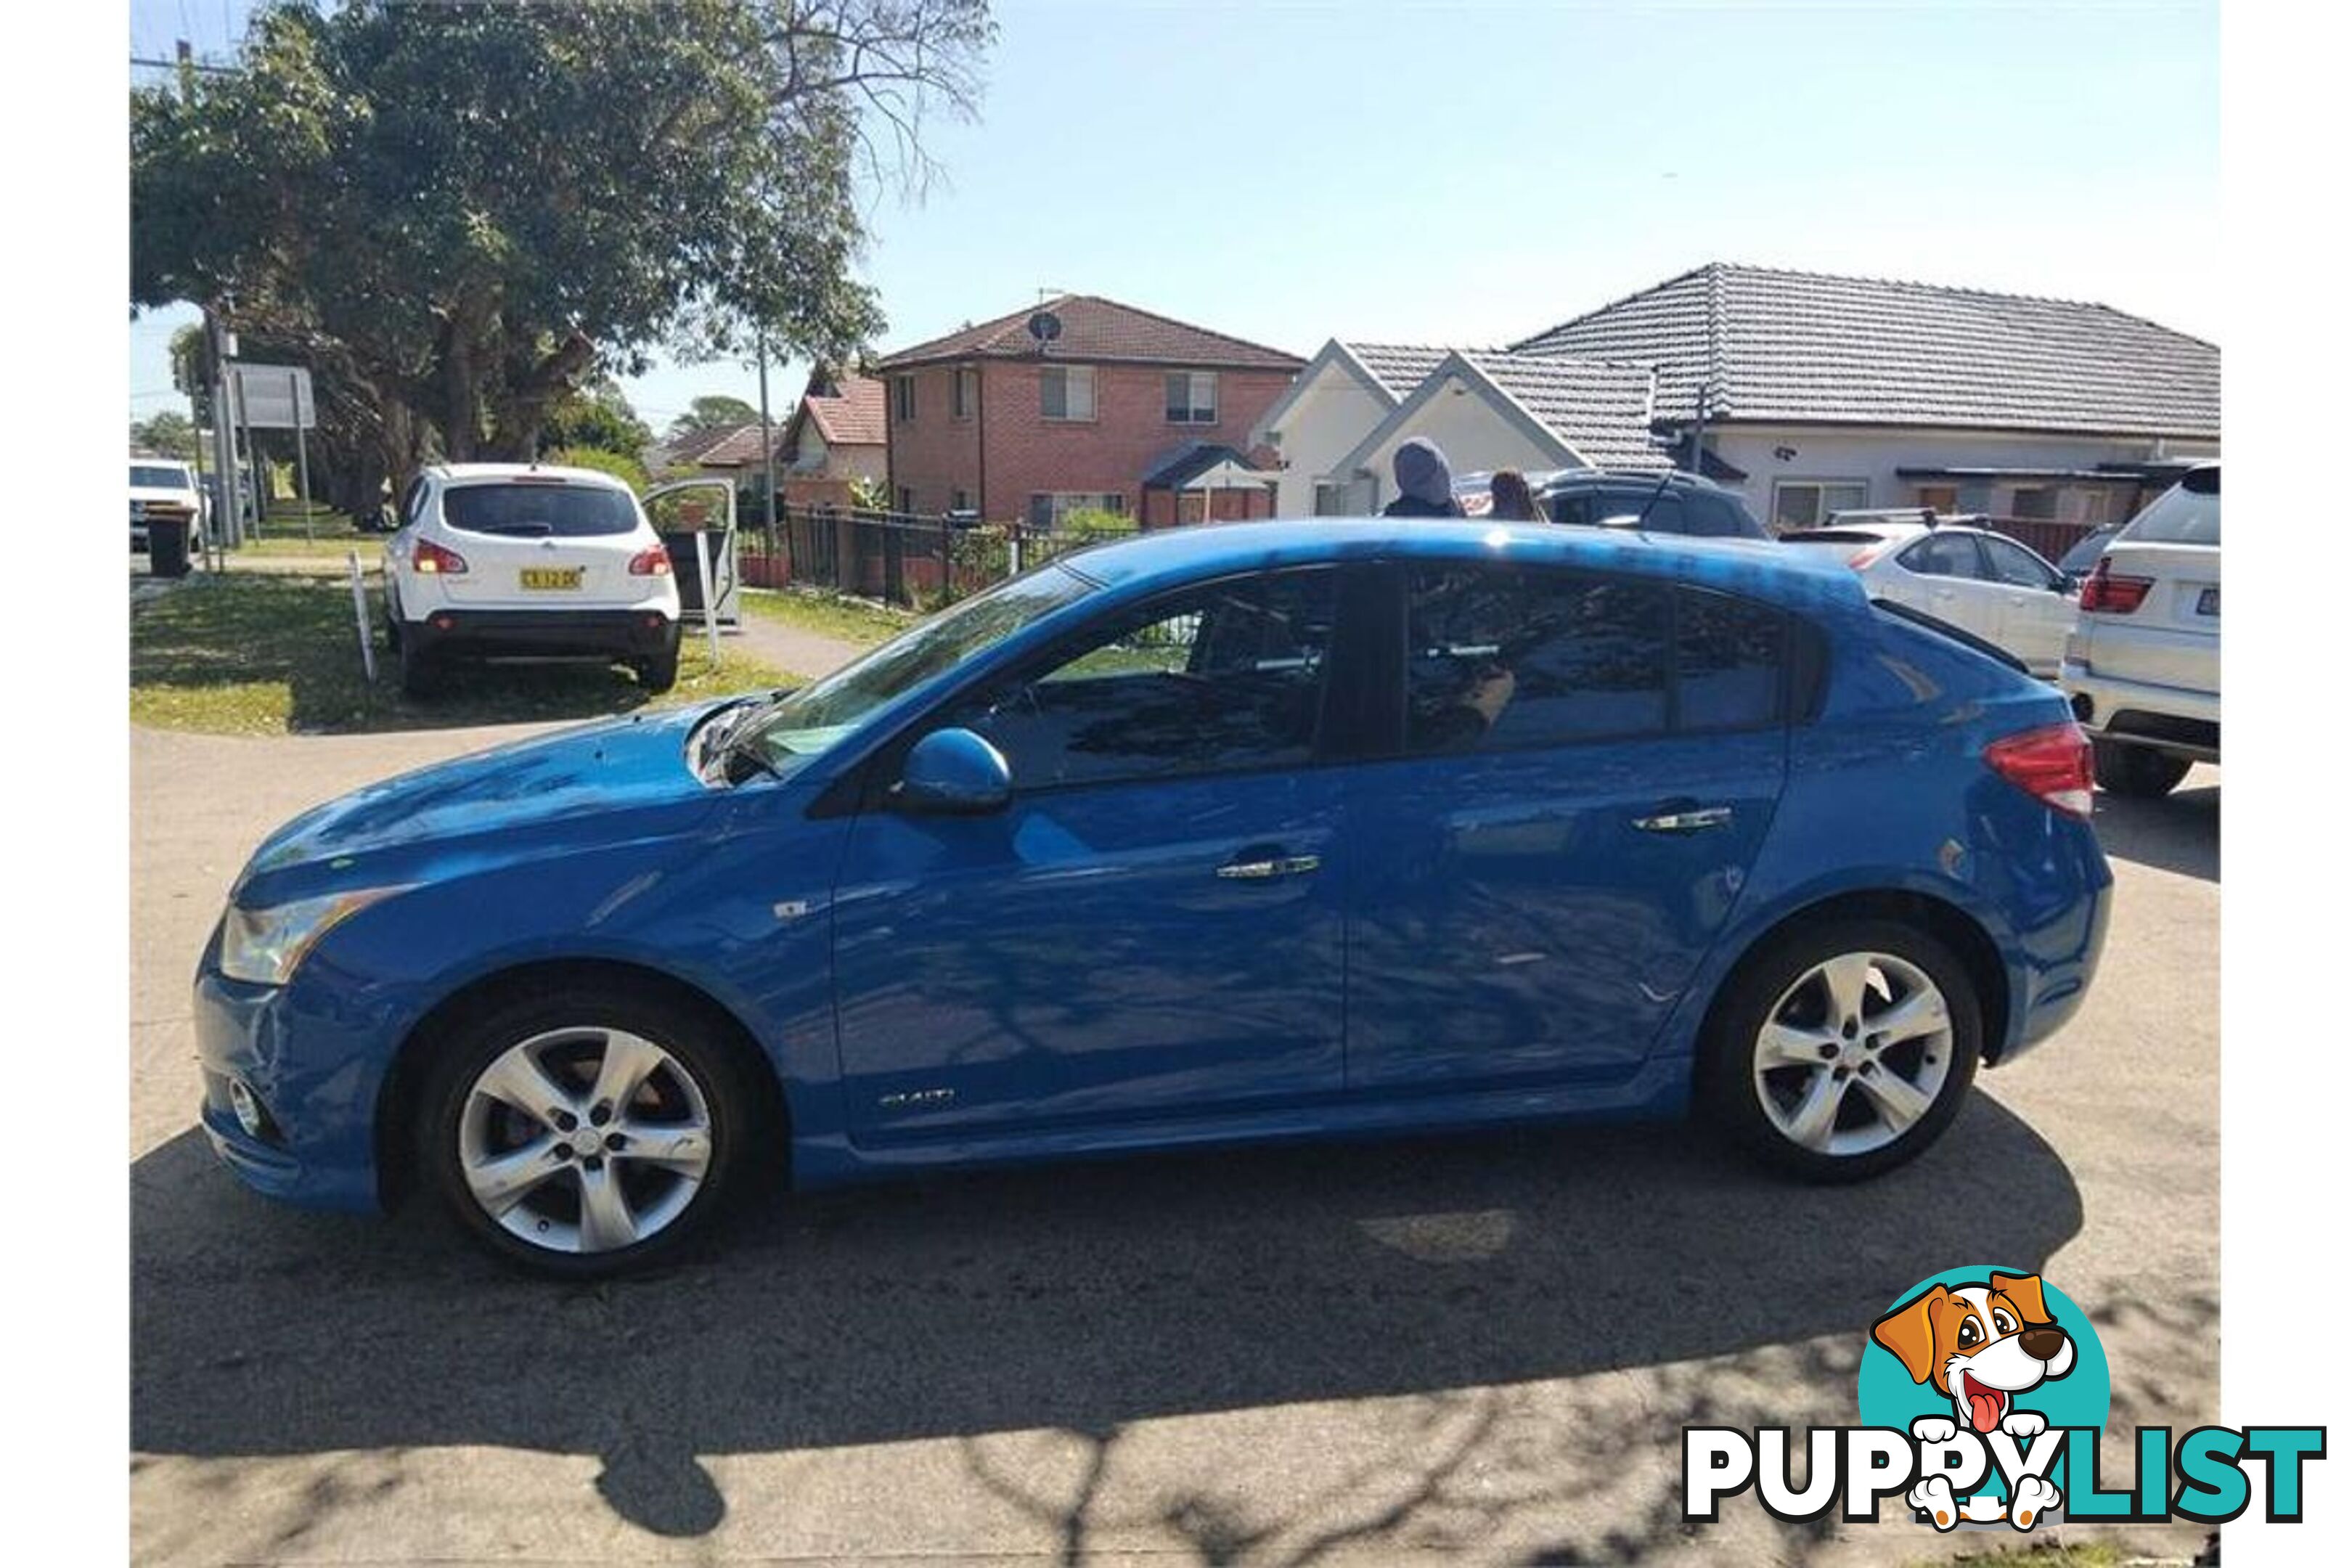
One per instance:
(272, 396)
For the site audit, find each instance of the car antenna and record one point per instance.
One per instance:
(1643, 515)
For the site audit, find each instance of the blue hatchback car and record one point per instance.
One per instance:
(1252, 831)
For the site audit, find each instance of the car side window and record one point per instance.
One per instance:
(1943, 555)
(2015, 565)
(1728, 658)
(1575, 508)
(411, 500)
(1226, 677)
(1502, 658)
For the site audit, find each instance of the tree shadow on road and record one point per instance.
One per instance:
(1081, 1298)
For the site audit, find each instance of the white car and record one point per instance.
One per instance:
(1983, 583)
(495, 559)
(162, 487)
(2144, 667)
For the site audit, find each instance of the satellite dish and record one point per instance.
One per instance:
(1045, 326)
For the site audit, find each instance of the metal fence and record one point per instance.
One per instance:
(900, 559)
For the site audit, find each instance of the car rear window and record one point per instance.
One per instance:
(526, 510)
(2181, 515)
(159, 478)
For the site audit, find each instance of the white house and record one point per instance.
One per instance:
(1820, 393)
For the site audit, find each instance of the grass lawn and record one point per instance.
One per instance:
(277, 655)
(860, 621)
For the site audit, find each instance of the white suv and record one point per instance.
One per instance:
(496, 559)
(2144, 667)
(162, 487)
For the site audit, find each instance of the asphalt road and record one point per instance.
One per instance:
(1479, 1349)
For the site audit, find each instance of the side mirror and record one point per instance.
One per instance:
(953, 773)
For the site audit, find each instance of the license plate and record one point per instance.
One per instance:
(2209, 603)
(555, 577)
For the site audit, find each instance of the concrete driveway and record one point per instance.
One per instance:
(1480, 1349)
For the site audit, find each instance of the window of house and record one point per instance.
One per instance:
(1048, 510)
(902, 398)
(2036, 501)
(1212, 678)
(1191, 397)
(907, 500)
(1808, 503)
(962, 502)
(1940, 498)
(1066, 392)
(1501, 657)
(964, 394)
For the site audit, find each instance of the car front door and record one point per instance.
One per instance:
(1154, 926)
(2036, 611)
(1585, 768)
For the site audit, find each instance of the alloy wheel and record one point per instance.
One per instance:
(585, 1139)
(1853, 1054)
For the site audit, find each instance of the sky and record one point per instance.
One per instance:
(1472, 173)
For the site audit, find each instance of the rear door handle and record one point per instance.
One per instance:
(1684, 819)
(1274, 866)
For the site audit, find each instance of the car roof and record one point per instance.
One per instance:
(1868, 528)
(1757, 567)
(477, 473)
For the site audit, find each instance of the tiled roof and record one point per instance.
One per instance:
(689, 446)
(1601, 411)
(852, 415)
(1095, 328)
(1398, 367)
(737, 446)
(1801, 346)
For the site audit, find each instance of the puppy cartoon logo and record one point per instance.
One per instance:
(1981, 1345)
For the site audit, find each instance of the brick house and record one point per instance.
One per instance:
(1121, 410)
(836, 437)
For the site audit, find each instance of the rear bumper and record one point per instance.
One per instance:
(633, 634)
(2168, 718)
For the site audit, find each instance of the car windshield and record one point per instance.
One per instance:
(2185, 514)
(540, 509)
(806, 723)
(158, 477)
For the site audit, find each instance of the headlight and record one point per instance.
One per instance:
(265, 947)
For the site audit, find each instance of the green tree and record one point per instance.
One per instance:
(167, 433)
(597, 416)
(716, 412)
(481, 204)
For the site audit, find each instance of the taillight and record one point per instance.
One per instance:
(2104, 594)
(2051, 763)
(436, 561)
(1864, 556)
(652, 562)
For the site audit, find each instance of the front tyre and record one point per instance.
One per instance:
(2138, 772)
(585, 1135)
(1841, 1050)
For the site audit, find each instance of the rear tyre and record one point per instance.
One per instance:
(421, 674)
(2138, 772)
(659, 673)
(1842, 1050)
(585, 1134)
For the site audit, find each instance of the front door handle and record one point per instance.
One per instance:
(1274, 866)
(1684, 819)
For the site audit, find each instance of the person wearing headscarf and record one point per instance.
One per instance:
(1424, 483)
(1514, 501)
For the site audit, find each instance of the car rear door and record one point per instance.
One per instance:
(1581, 771)
(539, 542)
(1154, 927)
(1943, 573)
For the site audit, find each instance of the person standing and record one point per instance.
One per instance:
(1424, 482)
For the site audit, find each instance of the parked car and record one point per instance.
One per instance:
(1259, 831)
(2144, 667)
(494, 559)
(2084, 553)
(1984, 582)
(164, 487)
(1599, 498)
